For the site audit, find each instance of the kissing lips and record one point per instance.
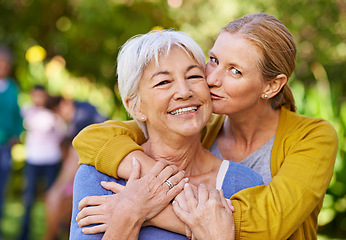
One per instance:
(214, 96)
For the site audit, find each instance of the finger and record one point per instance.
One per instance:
(191, 201)
(180, 198)
(227, 204)
(95, 229)
(203, 194)
(214, 194)
(188, 232)
(167, 172)
(112, 186)
(181, 213)
(89, 220)
(136, 169)
(175, 179)
(223, 200)
(87, 211)
(230, 205)
(172, 193)
(157, 168)
(90, 201)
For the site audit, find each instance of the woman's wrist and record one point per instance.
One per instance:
(127, 224)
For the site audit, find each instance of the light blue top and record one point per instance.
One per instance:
(232, 178)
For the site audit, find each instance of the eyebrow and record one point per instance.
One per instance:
(159, 73)
(167, 72)
(210, 53)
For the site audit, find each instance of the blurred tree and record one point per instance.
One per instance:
(87, 34)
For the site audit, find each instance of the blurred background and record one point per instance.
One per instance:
(70, 47)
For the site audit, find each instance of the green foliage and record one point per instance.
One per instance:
(82, 39)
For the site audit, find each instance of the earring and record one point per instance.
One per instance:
(143, 118)
(265, 95)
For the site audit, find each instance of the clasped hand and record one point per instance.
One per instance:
(142, 198)
(208, 215)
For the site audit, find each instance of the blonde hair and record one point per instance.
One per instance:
(277, 46)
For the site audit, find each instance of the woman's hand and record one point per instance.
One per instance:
(208, 217)
(142, 197)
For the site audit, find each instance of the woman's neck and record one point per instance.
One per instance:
(186, 153)
(254, 125)
(242, 135)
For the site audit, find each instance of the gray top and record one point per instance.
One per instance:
(259, 161)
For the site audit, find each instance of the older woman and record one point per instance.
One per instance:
(162, 84)
(247, 74)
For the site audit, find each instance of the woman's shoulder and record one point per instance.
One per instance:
(295, 124)
(239, 177)
(89, 177)
(244, 171)
(294, 120)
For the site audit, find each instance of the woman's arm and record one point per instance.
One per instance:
(104, 145)
(86, 183)
(303, 160)
(142, 198)
(111, 143)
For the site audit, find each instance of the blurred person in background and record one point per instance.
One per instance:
(45, 131)
(11, 122)
(77, 115)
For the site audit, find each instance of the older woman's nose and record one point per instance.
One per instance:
(183, 90)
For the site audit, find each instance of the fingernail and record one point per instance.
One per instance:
(133, 161)
(186, 185)
(186, 179)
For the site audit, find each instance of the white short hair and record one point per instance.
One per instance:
(139, 51)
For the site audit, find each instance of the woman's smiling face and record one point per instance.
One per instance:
(174, 95)
(233, 74)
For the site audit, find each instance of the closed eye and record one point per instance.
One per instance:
(195, 76)
(162, 83)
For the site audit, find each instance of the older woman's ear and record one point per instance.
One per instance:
(142, 118)
(133, 108)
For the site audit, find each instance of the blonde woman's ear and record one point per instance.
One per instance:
(274, 86)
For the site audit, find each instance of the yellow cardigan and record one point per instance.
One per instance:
(302, 163)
